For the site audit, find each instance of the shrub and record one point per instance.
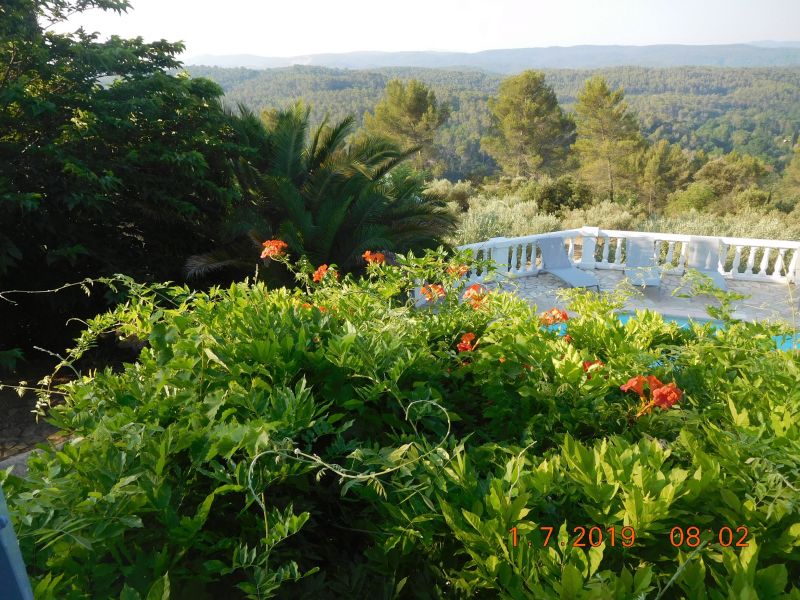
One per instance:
(752, 197)
(488, 218)
(336, 442)
(605, 214)
(457, 193)
(562, 193)
(697, 196)
(749, 223)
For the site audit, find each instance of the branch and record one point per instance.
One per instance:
(83, 284)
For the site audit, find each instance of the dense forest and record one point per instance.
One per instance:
(510, 61)
(749, 110)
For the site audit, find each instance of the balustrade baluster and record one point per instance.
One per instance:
(737, 258)
(618, 252)
(514, 268)
(793, 271)
(751, 257)
(764, 262)
(779, 264)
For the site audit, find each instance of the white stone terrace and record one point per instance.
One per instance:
(765, 271)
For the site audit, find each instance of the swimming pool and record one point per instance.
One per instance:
(783, 342)
(684, 322)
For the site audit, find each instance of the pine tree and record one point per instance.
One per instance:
(530, 134)
(790, 185)
(608, 138)
(666, 168)
(409, 115)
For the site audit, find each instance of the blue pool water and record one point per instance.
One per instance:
(682, 321)
(783, 342)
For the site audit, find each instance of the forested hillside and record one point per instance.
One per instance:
(514, 60)
(749, 110)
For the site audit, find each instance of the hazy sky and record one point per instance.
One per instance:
(295, 27)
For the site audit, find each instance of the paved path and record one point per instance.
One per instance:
(18, 464)
(765, 301)
(20, 431)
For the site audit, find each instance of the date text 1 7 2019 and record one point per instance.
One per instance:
(583, 536)
(592, 537)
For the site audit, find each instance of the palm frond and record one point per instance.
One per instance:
(315, 143)
(289, 136)
(329, 198)
(201, 265)
(331, 141)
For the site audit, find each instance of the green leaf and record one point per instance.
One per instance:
(571, 583)
(160, 589)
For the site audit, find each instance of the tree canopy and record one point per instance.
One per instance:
(105, 158)
(665, 168)
(608, 137)
(529, 131)
(408, 114)
(717, 110)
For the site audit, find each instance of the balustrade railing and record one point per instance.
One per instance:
(746, 259)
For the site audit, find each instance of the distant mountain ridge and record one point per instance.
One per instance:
(756, 54)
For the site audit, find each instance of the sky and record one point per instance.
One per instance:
(299, 27)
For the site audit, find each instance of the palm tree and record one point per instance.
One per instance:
(329, 198)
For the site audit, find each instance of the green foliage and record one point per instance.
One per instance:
(94, 178)
(719, 110)
(747, 222)
(666, 167)
(337, 442)
(107, 162)
(700, 284)
(606, 214)
(723, 185)
(530, 134)
(512, 215)
(555, 195)
(608, 139)
(329, 198)
(457, 194)
(698, 196)
(790, 184)
(502, 217)
(9, 358)
(732, 173)
(409, 115)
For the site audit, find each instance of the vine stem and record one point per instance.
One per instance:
(83, 283)
(300, 456)
(680, 569)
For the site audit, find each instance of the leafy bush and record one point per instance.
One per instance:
(336, 442)
(9, 358)
(509, 216)
(131, 175)
(488, 218)
(458, 193)
(748, 222)
(698, 196)
(605, 214)
(329, 198)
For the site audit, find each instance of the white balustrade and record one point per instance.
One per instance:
(519, 257)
